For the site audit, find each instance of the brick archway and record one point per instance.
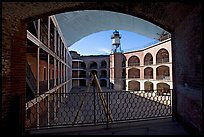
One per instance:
(184, 23)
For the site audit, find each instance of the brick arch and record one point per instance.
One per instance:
(103, 83)
(14, 26)
(186, 17)
(134, 73)
(103, 73)
(51, 8)
(148, 73)
(148, 86)
(103, 64)
(134, 61)
(162, 56)
(93, 65)
(163, 85)
(134, 85)
(83, 65)
(148, 59)
(163, 72)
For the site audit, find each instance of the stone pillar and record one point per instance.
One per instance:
(155, 73)
(141, 84)
(154, 85)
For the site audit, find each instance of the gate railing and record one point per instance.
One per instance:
(82, 108)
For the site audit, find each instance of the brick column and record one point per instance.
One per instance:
(13, 75)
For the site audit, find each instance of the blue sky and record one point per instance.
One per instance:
(100, 43)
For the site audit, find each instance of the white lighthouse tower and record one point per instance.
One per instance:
(116, 42)
(116, 67)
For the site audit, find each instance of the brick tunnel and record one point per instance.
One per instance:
(182, 19)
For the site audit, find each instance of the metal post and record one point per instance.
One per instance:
(48, 72)
(107, 116)
(173, 104)
(55, 106)
(48, 110)
(94, 91)
(55, 44)
(38, 88)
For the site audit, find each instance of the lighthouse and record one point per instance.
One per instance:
(116, 67)
(116, 47)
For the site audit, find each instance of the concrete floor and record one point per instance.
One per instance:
(151, 127)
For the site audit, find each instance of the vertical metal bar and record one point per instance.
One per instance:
(48, 56)
(59, 73)
(94, 91)
(64, 77)
(48, 72)
(48, 110)
(107, 116)
(38, 80)
(173, 104)
(48, 32)
(108, 103)
(78, 73)
(55, 106)
(55, 44)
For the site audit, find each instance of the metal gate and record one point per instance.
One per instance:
(94, 107)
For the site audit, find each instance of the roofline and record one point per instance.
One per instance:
(154, 45)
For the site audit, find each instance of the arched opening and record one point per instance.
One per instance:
(93, 65)
(93, 72)
(148, 86)
(183, 10)
(162, 73)
(103, 83)
(133, 61)
(103, 74)
(103, 64)
(163, 86)
(82, 65)
(133, 73)
(148, 73)
(162, 56)
(148, 59)
(134, 85)
(163, 89)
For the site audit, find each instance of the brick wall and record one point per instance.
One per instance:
(187, 41)
(118, 83)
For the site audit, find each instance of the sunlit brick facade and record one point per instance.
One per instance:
(146, 69)
(149, 68)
